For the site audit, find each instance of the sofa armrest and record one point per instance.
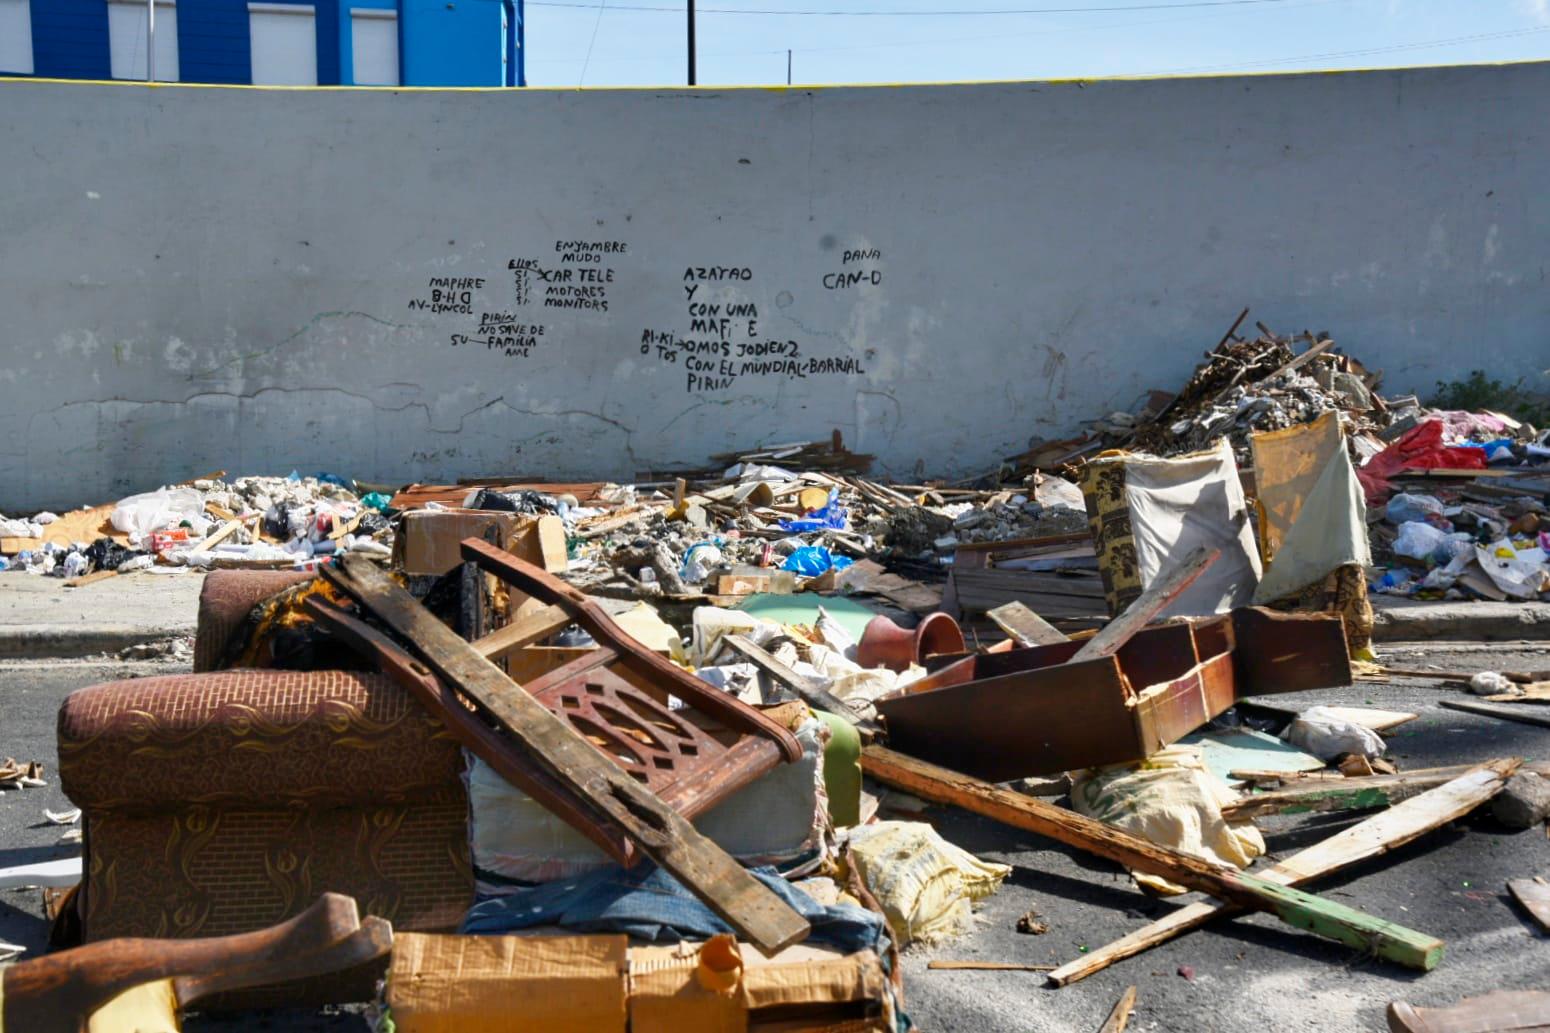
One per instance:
(268, 739)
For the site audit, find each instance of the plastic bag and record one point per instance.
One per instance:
(830, 517)
(1326, 735)
(812, 560)
(1492, 683)
(699, 560)
(1418, 540)
(1403, 509)
(139, 515)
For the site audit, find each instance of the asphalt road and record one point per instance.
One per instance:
(1251, 975)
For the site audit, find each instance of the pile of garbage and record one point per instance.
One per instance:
(260, 522)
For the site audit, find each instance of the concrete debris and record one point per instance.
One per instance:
(1524, 803)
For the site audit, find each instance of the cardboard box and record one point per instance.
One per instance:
(508, 984)
(428, 539)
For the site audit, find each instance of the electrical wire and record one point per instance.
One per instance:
(1367, 52)
(913, 14)
(582, 81)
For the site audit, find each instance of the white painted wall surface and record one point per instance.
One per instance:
(241, 279)
(16, 36)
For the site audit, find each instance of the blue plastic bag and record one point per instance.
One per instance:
(812, 560)
(830, 518)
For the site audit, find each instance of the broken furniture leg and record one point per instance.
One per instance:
(1377, 835)
(540, 738)
(60, 992)
(1303, 910)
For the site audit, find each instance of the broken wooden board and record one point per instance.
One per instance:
(1524, 715)
(1162, 591)
(90, 579)
(1302, 910)
(1377, 835)
(1025, 627)
(1309, 796)
(1533, 895)
(1533, 692)
(1506, 1011)
(1119, 1015)
(662, 834)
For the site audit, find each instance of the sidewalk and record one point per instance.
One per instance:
(1409, 620)
(42, 619)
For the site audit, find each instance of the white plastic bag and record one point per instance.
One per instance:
(1326, 735)
(139, 515)
(1418, 540)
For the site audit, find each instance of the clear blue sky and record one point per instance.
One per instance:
(642, 42)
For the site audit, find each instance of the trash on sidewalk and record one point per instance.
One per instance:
(21, 775)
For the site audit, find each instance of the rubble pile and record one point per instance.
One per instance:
(1256, 385)
(260, 522)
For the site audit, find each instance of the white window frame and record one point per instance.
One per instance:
(17, 34)
(308, 11)
(133, 67)
(375, 14)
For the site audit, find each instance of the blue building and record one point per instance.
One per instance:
(275, 42)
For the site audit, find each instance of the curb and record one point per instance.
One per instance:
(1402, 620)
(72, 641)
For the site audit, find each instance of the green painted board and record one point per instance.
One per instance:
(1248, 750)
(802, 608)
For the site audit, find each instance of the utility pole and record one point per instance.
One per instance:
(150, 40)
(691, 42)
(788, 66)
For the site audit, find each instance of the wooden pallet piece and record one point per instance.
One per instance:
(746, 904)
(1377, 835)
(1302, 910)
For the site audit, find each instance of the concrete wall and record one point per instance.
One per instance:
(366, 281)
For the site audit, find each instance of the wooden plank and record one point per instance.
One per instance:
(1528, 716)
(1024, 626)
(1373, 837)
(523, 631)
(1336, 794)
(1162, 591)
(812, 694)
(1119, 1015)
(1534, 897)
(1302, 910)
(90, 579)
(1505, 1011)
(728, 889)
(218, 536)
